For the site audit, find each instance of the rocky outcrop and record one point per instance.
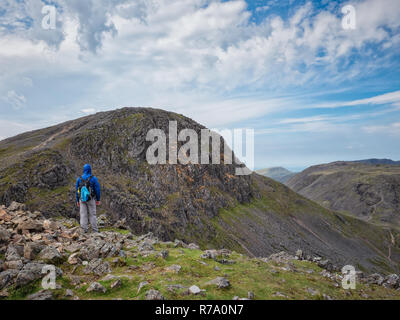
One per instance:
(203, 204)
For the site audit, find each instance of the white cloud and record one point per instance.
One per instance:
(391, 129)
(15, 100)
(89, 110)
(195, 57)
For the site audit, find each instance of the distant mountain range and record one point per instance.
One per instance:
(277, 173)
(368, 189)
(378, 161)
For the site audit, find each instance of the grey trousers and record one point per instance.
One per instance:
(88, 214)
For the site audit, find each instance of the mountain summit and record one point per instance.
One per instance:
(205, 204)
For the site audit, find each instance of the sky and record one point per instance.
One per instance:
(314, 90)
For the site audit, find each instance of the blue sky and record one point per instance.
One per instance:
(313, 91)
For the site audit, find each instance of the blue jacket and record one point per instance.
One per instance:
(94, 183)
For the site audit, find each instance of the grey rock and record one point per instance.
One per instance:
(32, 249)
(50, 255)
(69, 293)
(41, 295)
(392, 281)
(141, 285)
(7, 278)
(163, 254)
(16, 206)
(116, 284)
(96, 287)
(15, 264)
(194, 290)
(193, 246)
(220, 282)
(175, 268)
(154, 295)
(97, 267)
(5, 235)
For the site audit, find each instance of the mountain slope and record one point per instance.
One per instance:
(368, 191)
(206, 204)
(279, 174)
(115, 264)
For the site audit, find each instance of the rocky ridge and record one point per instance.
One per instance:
(115, 264)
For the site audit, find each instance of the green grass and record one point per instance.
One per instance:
(247, 274)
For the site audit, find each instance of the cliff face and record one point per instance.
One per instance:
(365, 189)
(206, 204)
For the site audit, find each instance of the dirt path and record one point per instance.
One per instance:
(45, 143)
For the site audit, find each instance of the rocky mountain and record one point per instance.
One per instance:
(279, 174)
(116, 264)
(205, 204)
(367, 189)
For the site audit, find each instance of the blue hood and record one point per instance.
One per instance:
(87, 171)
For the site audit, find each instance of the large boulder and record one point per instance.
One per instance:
(31, 272)
(7, 278)
(5, 235)
(50, 255)
(97, 267)
(41, 295)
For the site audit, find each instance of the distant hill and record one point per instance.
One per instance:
(279, 174)
(378, 161)
(368, 189)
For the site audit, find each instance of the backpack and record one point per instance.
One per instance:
(85, 191)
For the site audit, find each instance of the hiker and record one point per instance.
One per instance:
(87, 198)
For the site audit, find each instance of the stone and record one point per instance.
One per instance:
(7, 278)
(220, 282)
(50, 255)
(32, 249)
(194, 290)
(180, 244)
(163, 254)
(5, 235)
(16, 206)
(96, 287)
(312, 291)
(141, 285)
(118, 262)
(392, 281)
(375, 278)
(299, 254)
(209, 254)
(74, 258)
(14, 252)
(50, 225)
(30, 225)
(14, 264)
(154, 295)
(193, 246)
(69, 293)
(31, 272)
(116, 284)
(41, 295)
(145, 246)
(73, 247)
(174, 287)
(174, 268)
(280, 257)
(97, 267)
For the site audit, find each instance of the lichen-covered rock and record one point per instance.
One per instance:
(154, 295)
(96, 287)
